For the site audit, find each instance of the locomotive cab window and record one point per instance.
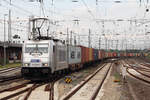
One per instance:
(36, 48)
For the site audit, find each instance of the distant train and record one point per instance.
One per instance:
(43, 58)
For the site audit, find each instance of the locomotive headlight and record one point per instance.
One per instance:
(45, 64)
(26, 64)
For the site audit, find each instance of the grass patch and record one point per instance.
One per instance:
(10, 65)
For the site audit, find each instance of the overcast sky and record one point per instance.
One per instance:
(88, 12)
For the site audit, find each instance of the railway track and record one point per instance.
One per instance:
(135, 76)
(5, 70)
(89, 85)
(139, 71)
(140, 67)
(25, 90)
(10, 78)
(9, 74)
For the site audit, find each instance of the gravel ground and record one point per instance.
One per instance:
(140, 89)
(111, 90)
(77, 77)
(115, 90)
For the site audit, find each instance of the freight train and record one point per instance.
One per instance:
(44, 58)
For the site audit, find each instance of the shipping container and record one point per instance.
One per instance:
(114, 54)
(74, 55)
(131, 54)
(118, 54)
(134, 54)
(83, 53)
(90, 54)
(87, 55)
(128, 54)
(109, 54)
(105, 54)
(145, 54)
(121, 54)
(102, 54)
(99, 54)
(95, 54)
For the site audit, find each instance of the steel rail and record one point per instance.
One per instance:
(51, 94)
(146, 65)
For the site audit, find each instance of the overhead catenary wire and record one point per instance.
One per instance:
(20, 8)
(89, 11)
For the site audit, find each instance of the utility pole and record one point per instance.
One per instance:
(105, 43)
(41, 8)
(9, 24)
(112, 44)
(126, 45)
(108, 44)
(75, 42)
(89, 38)
(67, 36)
(78, 39)
(4, 40)
(133, 44)
(99, 43)
(116, 44)
(29, 29)
(71, 38)
(122, 43)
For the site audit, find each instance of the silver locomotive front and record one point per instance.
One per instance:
(37, 59)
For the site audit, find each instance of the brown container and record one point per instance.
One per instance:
(87, 55)
(90, 54)
(109, 54)
(83, 54)
(99, 54)
(128, 54)
(103, 54)
(115, 54)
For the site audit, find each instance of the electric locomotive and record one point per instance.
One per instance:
(43, 58)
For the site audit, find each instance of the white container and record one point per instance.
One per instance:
(74, 55)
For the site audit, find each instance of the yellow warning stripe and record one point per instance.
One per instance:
(68, 80)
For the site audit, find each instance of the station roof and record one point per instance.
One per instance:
(11, 44)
